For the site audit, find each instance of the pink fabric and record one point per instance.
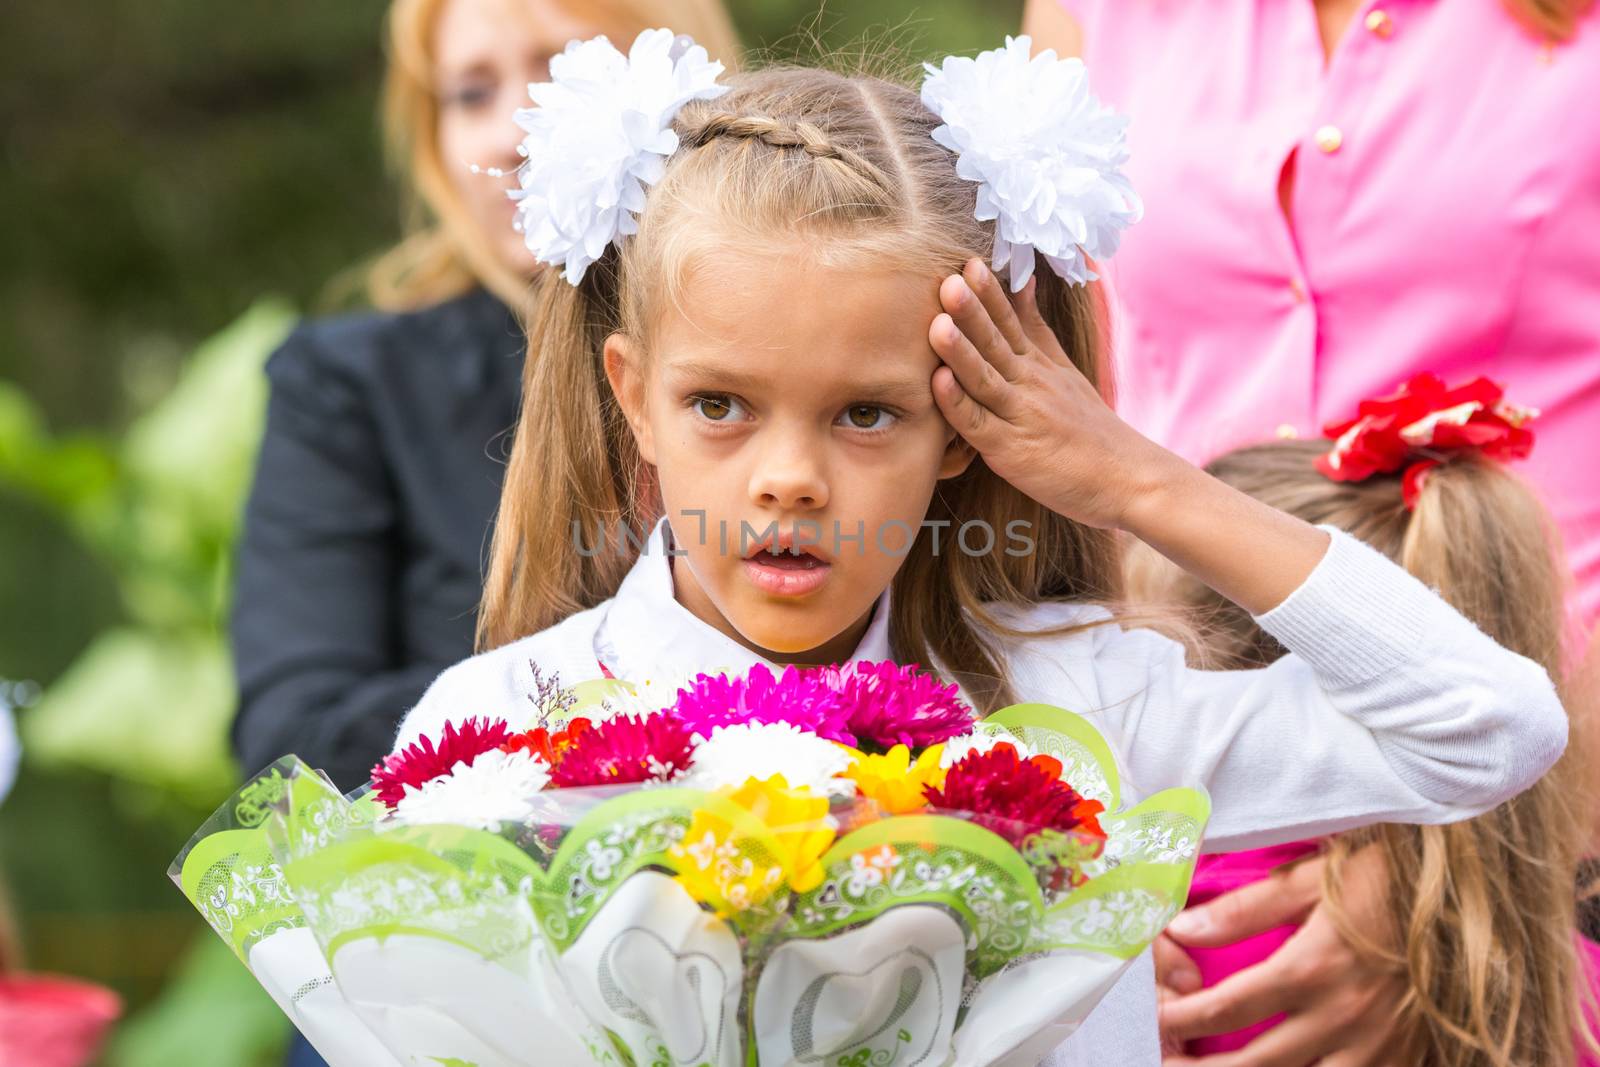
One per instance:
(53, 1022)
(1455, 228)
(1590, 954)
(1219, 874)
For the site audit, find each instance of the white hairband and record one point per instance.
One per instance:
(1045, 154)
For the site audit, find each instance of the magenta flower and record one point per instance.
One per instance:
(799, 698)
(625, 750)
(886, 705)
(422, 762)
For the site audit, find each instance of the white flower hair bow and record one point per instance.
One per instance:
(1047, 157)
(601, 132)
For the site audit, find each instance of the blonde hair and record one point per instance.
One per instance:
(1555, 20)
(444, 252)
(843, 166)
(1485, 908)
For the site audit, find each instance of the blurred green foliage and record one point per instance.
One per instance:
(164, 165)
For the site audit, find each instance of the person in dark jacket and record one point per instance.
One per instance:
(361, 560)
(359, 570)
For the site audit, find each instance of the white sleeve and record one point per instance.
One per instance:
(481, 687)
(1392, 707)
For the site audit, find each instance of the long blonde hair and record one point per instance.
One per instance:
(444, 252)
(844, 166)
(1485, 908)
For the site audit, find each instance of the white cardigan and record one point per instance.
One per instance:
(1391, 707)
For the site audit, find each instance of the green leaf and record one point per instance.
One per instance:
(213, 1012)
(143, 706)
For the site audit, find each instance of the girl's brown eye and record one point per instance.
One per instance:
(865, 416)
(714, 408)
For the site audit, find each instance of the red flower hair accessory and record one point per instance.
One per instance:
(1423, 425)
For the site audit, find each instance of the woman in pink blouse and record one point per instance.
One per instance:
(1340, 194)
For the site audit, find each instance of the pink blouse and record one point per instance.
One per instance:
(1446, 217)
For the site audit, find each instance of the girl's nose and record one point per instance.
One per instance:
(789, 476)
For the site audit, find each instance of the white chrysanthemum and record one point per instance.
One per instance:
(1046, 155)
(735, 754)
(601, 132)
(497, 787)
(982, 738)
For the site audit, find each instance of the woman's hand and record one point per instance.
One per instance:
(1340, 1009)
(1010, 390)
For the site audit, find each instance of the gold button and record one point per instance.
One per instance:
(1287, 432)
(1297, 290)
(1379, 23)
(1329, 138)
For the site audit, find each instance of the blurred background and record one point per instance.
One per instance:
(180, 181)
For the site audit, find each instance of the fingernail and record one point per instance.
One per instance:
(1191, 923)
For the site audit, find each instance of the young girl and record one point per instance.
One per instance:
(1483, 911)
(819, 474)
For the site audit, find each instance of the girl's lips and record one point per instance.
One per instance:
(786, 575)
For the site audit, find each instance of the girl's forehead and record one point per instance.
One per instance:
(799, 322)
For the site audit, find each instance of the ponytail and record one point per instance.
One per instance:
(1485, 909)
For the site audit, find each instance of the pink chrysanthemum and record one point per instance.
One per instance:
(1016, 798)
(624, 750)
(799, 698)
(887, 704)
(422, 762)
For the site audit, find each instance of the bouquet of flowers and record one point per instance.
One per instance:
(840, 865)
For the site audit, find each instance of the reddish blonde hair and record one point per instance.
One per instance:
(443, 252)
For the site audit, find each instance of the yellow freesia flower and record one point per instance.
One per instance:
(893, 781)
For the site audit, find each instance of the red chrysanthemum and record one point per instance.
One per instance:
(424, 761)
(797, 697)
(548, 746)
(1423, 424)
(1016, 798)
(623, 750)
(886, 705)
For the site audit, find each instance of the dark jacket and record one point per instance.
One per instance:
(361, 561)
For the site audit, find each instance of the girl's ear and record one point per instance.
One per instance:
(625, 372)
(958, 456)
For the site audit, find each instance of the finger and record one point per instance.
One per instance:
(1282, 899)
(1174, 969)
(1380, 1049)
(972, 318)
(992, 295)
(1378, 1041)
(1298, 1041)
(976, 375)
(1034, 328)
(1242, 999)
(965, 415)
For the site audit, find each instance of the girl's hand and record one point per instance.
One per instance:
(1011, 391)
